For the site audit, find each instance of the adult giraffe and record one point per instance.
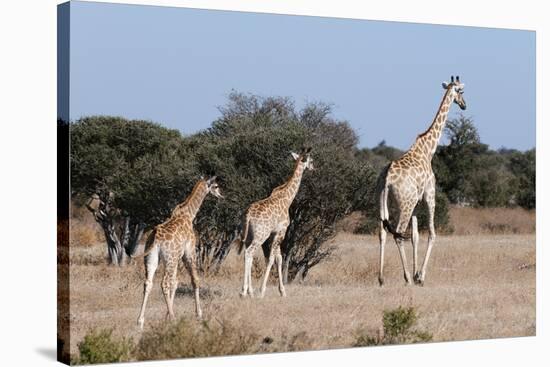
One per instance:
(411, 179)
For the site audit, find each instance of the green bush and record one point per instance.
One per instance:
(397, 329)
(99, 346)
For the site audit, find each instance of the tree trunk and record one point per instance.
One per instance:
(119, 245)
(136, 233)
(114, 247)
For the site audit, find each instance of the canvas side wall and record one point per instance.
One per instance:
(63, 184)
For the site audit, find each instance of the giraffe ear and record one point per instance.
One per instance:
(445, 85)
(295, 156)
(211, 180)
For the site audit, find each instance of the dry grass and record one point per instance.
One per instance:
(474, 221)
(84, 230)
(470, 221)
(477, 287)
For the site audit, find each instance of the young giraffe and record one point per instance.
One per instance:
(269, 218)
(172, 240)
(411, 179)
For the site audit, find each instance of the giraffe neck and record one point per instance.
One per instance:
(290, 188)
(193, 202)
(427, 142)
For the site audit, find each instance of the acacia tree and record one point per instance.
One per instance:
(130, 174)
(455, 164)
(249, 146)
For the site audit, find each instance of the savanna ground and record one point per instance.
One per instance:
(480, 284)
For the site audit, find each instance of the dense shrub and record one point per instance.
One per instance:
(139, 171)
(469, 173)
(523, 166)
(136, 171)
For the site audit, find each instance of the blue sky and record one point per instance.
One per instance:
(176, 66)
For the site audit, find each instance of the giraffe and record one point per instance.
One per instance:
(269, 218)
(411, 179)
(172, 240)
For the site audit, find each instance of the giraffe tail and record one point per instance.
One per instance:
(384, 215)
(149, 245)
(398, 236)
(246, 235)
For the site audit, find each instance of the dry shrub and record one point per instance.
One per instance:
(475, 221)
(286, 343)
(84, 231)
(93, 254)
(82, 235)
(185, 338)
(351, 223)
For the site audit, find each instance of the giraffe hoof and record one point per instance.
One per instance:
(380, 281)
(418, 279)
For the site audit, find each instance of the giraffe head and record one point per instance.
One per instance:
(213, 187)
(304, 158)
(457, 89)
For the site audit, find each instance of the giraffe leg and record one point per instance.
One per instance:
(382, 236)
(189, 260)
(404, 219)
(250, 263)
(173, 287)
(275, 248)
(279, 261)
(414, 240)
(151, 263)
(430, 200)
(403, 257)
(247, 281)
(267, 271)
(171, 268)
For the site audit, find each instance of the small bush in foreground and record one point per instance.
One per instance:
(397, 329)
(99, 346)
(184, 339)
